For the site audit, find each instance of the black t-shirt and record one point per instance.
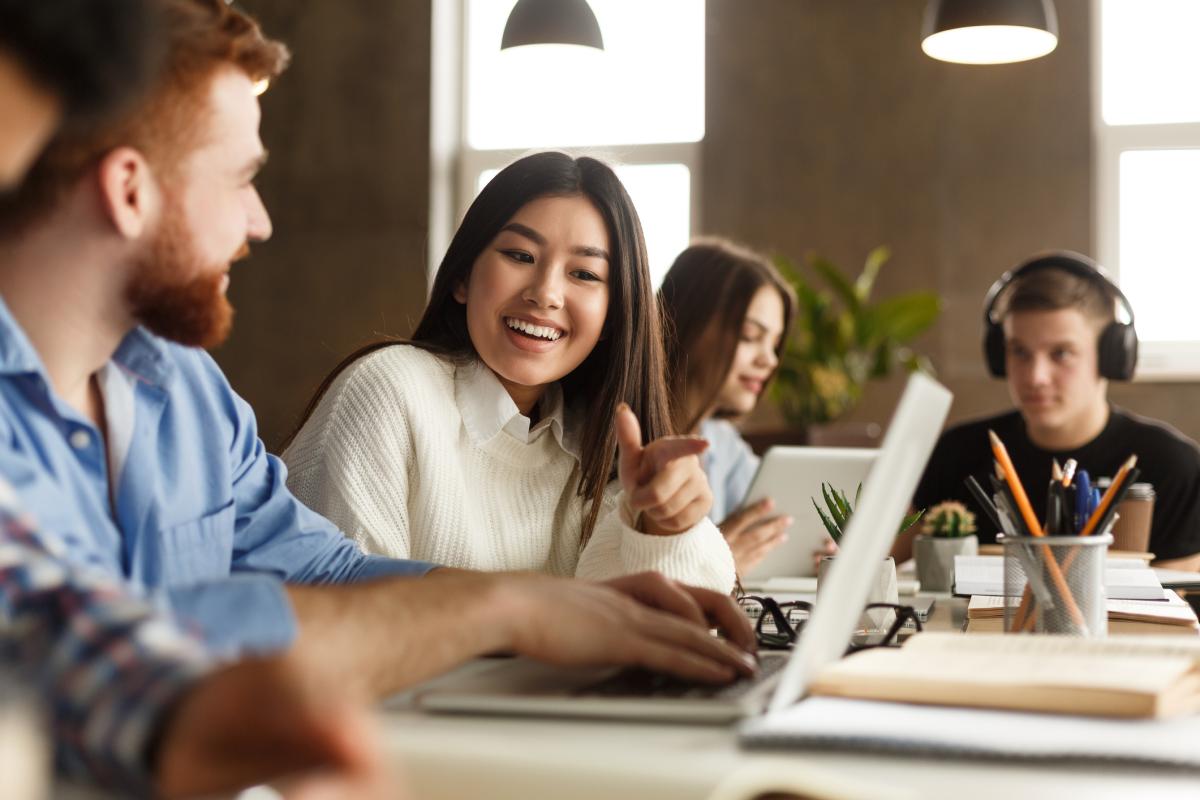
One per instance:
(1167, 459)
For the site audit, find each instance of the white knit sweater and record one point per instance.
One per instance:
(417, 458)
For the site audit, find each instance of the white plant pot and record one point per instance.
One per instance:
(883, 590)
(935, 559)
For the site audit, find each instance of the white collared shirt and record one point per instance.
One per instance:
(487, 408)
(415, 456)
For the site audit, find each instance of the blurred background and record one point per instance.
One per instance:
(795, 126)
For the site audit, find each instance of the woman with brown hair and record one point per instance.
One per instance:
(507, 434)
(728, 312)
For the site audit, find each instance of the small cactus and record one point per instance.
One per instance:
(949, 520)
(840, 510)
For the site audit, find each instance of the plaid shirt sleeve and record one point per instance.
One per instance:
(107, 664)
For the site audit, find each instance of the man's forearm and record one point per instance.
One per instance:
(1185, 564)
(390, 634)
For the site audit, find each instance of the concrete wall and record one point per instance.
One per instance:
(829, 130)
(347, 186)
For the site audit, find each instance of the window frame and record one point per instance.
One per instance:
(457, 165)
(1158, 361)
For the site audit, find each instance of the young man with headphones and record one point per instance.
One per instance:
(1050, 330)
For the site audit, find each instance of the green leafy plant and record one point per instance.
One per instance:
(840, 512)
(842, 338)
(949, 520)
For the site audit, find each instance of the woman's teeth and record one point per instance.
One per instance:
(540, 331)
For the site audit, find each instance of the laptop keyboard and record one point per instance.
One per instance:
(638, 682)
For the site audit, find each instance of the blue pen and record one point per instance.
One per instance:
(1083, 498)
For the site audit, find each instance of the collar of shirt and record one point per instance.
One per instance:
(487, 409)
(139, 354)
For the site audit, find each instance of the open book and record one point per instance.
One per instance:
(1135, 676)
(985, 614)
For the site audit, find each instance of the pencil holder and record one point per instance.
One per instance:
(1055, 584)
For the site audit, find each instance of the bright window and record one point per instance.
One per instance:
(1148, 172)
(638, 105)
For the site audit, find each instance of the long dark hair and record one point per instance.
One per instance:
(704, 298)
(626, 365)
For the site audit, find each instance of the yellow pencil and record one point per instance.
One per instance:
(1109, 494)
(1014, 483)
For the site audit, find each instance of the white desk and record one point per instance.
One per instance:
(462, 757)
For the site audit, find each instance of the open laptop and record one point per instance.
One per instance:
(792, 477)
(520, 686)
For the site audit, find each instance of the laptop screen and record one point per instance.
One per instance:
(868, 539)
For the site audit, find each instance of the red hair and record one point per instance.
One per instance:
(201, 37)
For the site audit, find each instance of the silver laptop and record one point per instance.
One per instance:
(520, 686)
(792, 477)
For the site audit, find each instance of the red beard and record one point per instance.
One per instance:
(190, 311)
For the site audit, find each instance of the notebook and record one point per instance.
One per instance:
(832, 723)
(792, 477)
(985, 614)
(520, 686)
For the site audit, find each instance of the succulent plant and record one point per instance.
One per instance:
(840, 512)
(949, 520)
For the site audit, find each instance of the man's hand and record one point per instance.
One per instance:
(641, 620)
(263, 720)
(663, 481)
(752, 532)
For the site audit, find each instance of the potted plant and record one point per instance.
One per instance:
(842, 338)
(949, 531)
(835, 517)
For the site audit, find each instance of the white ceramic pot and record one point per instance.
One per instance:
(883, 590)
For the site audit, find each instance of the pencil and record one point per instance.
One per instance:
(1069, 472)
(1014, 483)
(1107, 499)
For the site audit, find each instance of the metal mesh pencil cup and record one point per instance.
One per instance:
(1055, 584)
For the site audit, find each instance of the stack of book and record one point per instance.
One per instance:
(985, 614)
(1124, 579)
(1128, 676)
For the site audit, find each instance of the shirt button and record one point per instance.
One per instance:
(80, 439)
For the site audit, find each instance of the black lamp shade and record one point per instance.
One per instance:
(552, 22)
(989, 31)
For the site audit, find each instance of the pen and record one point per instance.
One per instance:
(1083, 498)
(1054, 508)
(983, 501)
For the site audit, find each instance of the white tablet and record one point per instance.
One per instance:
(792, 476)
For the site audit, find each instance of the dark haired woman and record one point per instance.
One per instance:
(728, 312)
(492, 439)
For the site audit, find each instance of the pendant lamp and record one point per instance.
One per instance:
(989, 31)
(552, 22)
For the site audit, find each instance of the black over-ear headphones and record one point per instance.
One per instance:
(1118, 345)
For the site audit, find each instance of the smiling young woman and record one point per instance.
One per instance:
(507, 433)
(728, 314)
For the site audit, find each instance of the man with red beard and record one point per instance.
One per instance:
(123, 436)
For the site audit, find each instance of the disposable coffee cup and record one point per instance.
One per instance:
(1131, 531)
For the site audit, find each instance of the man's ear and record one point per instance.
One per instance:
(129, 193)
(460, 292)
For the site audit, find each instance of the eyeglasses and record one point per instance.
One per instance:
(890, 637)
(778, 625)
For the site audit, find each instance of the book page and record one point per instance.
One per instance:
(898, 727)
(948, 645)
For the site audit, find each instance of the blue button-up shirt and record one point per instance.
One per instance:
(199, 517)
